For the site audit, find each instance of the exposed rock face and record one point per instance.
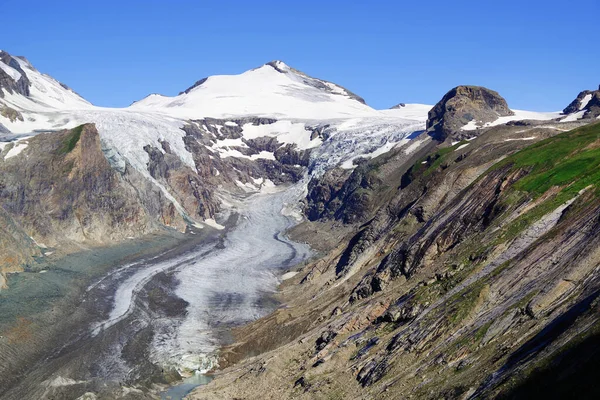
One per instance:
(7, 82)
(342, 196)
(202, 135)
(587, 101)
(61, 190)
(10, 113)
(462, 105)
(323, 199)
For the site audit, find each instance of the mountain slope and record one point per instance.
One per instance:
(469, 266)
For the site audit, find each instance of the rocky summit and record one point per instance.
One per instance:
(465, 105)
(587, 104)
(271, 235)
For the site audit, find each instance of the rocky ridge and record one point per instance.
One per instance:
(587, 103)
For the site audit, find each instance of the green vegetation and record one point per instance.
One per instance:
(480, 333)
(432, 162)
(71, 140)
(569, 161)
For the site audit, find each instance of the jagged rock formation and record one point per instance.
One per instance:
(462, 105)
(13, 83)
(587, 103)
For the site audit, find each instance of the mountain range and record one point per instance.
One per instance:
(456, 243)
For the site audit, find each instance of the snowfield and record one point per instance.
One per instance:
(265, 92)
(519, 115)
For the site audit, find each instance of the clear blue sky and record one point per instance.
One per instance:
(537, 54)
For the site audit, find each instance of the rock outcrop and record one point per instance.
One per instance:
(462, 105)
(587, 102)
(60, 187)
(9, 83)
(58, 190)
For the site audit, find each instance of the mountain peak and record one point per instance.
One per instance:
(274, 89)
(463, 105)
(20, 79)
(279, 66)
(587, 103)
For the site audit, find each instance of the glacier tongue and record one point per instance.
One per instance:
(225, 286)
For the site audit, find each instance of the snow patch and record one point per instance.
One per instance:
(16, 150)
(525, 138)
(10, 71)
(62, 381)
(336, 89)
(520, 115)
(471, 126)
(574, 116)
(213, 224)
(584, 102)
(289, 275)
(414, 146)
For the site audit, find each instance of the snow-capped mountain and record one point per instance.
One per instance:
(238, 132)
(272, 121)
(272, 90)
(43, 91)
(295, 104)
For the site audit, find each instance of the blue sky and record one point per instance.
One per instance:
(537, 54)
